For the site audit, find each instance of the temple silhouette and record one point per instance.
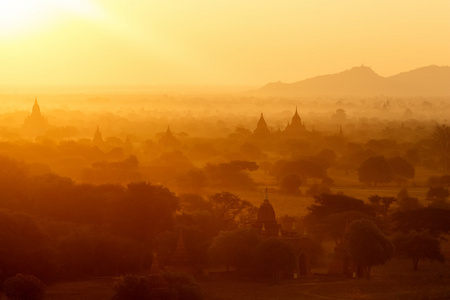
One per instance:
(294, 129)
(35, 124)
(268, 227)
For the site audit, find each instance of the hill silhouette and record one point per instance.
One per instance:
(363, 81)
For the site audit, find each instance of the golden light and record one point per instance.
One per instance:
(24, 17)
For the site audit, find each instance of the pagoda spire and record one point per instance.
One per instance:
(98, 139)
(266, 197)
(154, 270)
(156, 281)
(36, 109)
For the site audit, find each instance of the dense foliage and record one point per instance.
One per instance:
(24, 287)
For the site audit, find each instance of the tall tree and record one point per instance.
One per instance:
(401, 167)
(234, 248)
(375, 170)
(367, 245)
(226, 208)
(441, 138)
(419, 246)
(273, 257)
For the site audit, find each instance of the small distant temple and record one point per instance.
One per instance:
(268, 227)
(97, 140)
(157, 282)
(35, 124)
(168, 140)
(294, 129)
(261, 131)
(179, 260)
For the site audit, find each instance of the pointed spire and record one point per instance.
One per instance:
(154, 270)
(36, 109)
(305, 233)
(261, 130)
(168, 132)
(266, 197)
(263, 229)
(347, 226)
(296, 115)
(156, 281)
(98, 139)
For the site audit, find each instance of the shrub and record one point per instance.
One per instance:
(24, 287)
(184, 284)
(132, 287)
(136, 287)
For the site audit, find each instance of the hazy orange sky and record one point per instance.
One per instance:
(210, 42)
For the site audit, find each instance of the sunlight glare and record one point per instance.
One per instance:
(18, 18)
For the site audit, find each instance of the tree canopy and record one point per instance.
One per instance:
(375, 170)
(418, 246)
(235, 248)
(274, 256)
(367, 245)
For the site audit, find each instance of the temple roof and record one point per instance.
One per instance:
(266, 213)
(36, 109)
(261, 127)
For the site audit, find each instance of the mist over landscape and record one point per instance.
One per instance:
(165, 150)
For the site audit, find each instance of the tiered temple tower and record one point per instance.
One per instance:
(268, 227)
(261, 131)
(169, 141)
(266, 221)
(35, 124)
(296, 127)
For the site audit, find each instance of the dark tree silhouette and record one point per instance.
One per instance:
(334, 225)
(24, 287)
(367, 245)
(24, 247)
(401, 167)
(437, 194)
(304, 168)
(441, 138)
(226, 207)
(194, 202)
(234, 248)
(318, 189)
(375, 170)
(418, 246)
(406, 202)
(273, 257)
(232, 175)
(435, 220)
(144, 211)
(381, 205)
(327, 204)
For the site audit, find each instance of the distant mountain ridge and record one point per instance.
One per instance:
(363, 81)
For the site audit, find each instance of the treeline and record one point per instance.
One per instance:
(365, 234)
(194, 164)
(54, 228)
